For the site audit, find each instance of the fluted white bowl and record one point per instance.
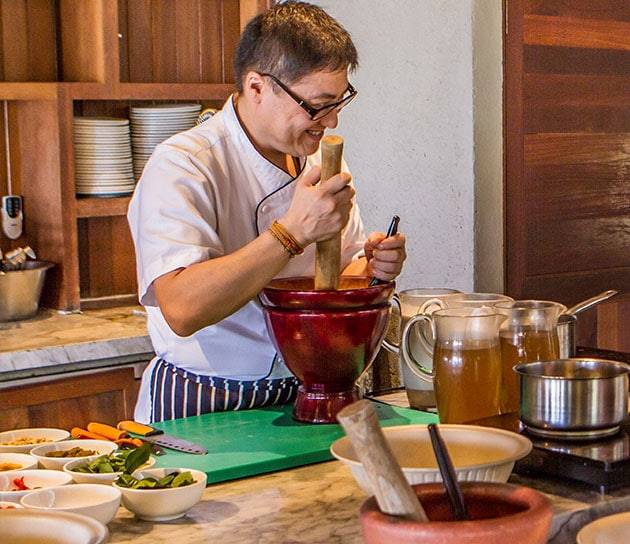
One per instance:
(481, 454)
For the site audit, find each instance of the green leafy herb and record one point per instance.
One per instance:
(137, 458)
(174, 479)
(118, 461)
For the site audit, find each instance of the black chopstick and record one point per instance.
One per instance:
(393, 229)
(453, 489)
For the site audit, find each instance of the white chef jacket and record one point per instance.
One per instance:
(205, 193)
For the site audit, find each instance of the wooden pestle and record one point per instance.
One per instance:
(328, 256)
(392, 491)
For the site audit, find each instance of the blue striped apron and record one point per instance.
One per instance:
(176, 393)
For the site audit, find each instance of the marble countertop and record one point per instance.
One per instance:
(72, 341)
(320, 504)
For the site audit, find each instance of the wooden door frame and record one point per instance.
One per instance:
(514, 224)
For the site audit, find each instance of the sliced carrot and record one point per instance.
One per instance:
(106, 430)
(135, 442)
(77, 432)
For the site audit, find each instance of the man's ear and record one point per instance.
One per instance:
(253, 86)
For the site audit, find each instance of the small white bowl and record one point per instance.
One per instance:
(163, 504)
(25, 461)
(40, 479)
(613, 529)
(50, 435)
(96, 501)
(482, 454)
(50, 527)
(8, 505)
(101, 447)
(89, 478)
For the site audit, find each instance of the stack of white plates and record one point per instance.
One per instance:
(102, 156)
(151, 125)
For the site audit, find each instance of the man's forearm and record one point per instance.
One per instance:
(205, 293)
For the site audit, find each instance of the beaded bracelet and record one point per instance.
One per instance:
(283, 236)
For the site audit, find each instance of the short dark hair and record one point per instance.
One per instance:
(291, 40)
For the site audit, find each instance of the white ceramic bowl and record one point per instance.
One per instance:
(32, 479)
(96, 501)
(479, 454)
(25, 461)
(88, 478)
(614, 529)
(163, 504)
(50, 527)
(50, 435)
(9, 505)
(101, 447)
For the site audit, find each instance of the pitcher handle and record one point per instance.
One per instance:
(390, 346)
(428, 306)
(417, 368)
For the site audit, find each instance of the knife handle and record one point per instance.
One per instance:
(138, 428)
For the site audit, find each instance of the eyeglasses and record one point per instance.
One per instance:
(316, 113)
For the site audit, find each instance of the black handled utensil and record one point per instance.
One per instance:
(453, 489)
(393, 229)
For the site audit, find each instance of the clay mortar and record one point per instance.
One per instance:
(327, 338)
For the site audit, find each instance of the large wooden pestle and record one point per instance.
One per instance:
(392, 491)
(328, 256)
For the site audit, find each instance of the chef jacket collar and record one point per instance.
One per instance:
(270, 176)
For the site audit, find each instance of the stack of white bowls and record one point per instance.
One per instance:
(151, 125)
(102, 156)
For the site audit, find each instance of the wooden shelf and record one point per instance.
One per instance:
(74, 57)
(102, 207)
(28, 91)
(149, 91)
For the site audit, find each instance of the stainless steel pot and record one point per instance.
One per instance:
(20, 290)
(573, 395)
(568, 320)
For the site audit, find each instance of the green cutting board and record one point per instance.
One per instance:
(252, 442)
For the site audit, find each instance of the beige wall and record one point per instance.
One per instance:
(423, 138)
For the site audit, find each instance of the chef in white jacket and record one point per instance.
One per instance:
(225, 207)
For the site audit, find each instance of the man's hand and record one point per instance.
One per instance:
(319, 211)
(385, 256)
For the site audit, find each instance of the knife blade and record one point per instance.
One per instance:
(157, 436)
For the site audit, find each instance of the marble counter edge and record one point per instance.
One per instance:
(111, 348)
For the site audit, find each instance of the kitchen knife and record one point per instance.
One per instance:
(157, 436)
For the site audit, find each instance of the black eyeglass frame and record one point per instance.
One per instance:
(315, 113)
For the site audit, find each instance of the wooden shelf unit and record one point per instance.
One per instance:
(64, 58)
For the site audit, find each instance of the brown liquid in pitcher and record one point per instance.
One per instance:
(523, 346)
(467, 382)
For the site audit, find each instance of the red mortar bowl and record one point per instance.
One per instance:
(327, 338)
(500, 514)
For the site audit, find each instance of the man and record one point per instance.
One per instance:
(225, 207)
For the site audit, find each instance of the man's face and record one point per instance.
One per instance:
(288, 128)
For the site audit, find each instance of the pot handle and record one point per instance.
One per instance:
(586, 304)
(390, 346)
(407, 356)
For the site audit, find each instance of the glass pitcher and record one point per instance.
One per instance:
(466, 361)
(412, 302)
(527, 335)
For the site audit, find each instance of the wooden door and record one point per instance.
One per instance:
(567, 148)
